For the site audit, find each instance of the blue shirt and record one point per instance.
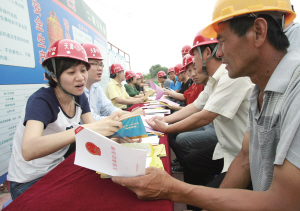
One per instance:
(175, 86)
(101, 107)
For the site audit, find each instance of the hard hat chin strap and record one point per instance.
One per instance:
(204, 62)
(54, 75)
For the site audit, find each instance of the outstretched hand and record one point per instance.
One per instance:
(155, 184)
(157, 125)
(108, 125)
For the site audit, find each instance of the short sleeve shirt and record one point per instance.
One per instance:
(113, 90)
(228, 98)
(274, 133)
(42, 106)
(193, 92)
(101, 107)
(185, 86)
(175, 85)
(167, 83)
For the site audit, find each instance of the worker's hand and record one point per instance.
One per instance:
(157, 125)
(138, 111)
(139, 100)
(108, 125)
(160, 118)
(155, 184)
(126, 140)
(167, 92)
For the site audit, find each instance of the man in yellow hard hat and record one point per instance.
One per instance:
(252, 43)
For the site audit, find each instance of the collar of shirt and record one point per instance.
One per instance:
(283, 72)
(219, 72)
(93, 87)
(113, 80)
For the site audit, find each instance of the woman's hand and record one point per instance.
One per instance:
(108, 125)
(126, 140)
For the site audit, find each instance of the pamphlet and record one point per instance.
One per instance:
(133, 128)
(97, 152)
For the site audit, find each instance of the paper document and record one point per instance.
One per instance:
(168, 102)
(145, 146)
(97, 152)
(149, 93)
(165, 111)
(154, 140)
(154, 106)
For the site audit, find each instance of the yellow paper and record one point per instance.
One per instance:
(160, 150)
(149, 93)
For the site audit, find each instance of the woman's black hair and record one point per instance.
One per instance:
(129, 80)
(62, 64)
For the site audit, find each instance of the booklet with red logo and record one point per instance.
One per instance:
(97, 152)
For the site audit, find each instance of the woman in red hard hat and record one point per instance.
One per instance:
(45, 131)
(130, 77)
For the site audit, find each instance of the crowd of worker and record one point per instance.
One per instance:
(235, 134)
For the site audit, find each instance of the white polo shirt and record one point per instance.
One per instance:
(228, 98)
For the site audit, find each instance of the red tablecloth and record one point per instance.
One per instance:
(70, 187)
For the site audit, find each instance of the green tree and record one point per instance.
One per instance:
(153, 67)
(156, 70)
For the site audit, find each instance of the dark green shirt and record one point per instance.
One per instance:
(131, 91)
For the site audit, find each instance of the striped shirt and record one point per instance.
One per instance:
(274, 131)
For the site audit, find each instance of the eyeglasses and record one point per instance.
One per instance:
(95, 64)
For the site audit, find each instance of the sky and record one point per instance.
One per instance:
(154, 32)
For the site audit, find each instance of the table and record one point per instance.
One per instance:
(71, 187)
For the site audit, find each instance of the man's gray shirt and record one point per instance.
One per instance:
(167, 83)
(274, 131)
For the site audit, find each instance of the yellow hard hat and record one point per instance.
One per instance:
(227, 9)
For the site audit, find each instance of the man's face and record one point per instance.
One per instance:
(195, 76)
(96, 70)
(183, 54)
(236, 52)
(160, 80)
(197, 61)
(180, 76)
(122, 75)
(171, 75)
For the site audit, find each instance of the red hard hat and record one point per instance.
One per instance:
(161, 74)
(92, 51)
(171, 69)
(201, 40)
(178, 69)
(66, 48)
(129, 74)
(139, 75)
(115, 68)
(186, 49)
(187, 59)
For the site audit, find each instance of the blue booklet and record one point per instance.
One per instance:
(133, 127)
